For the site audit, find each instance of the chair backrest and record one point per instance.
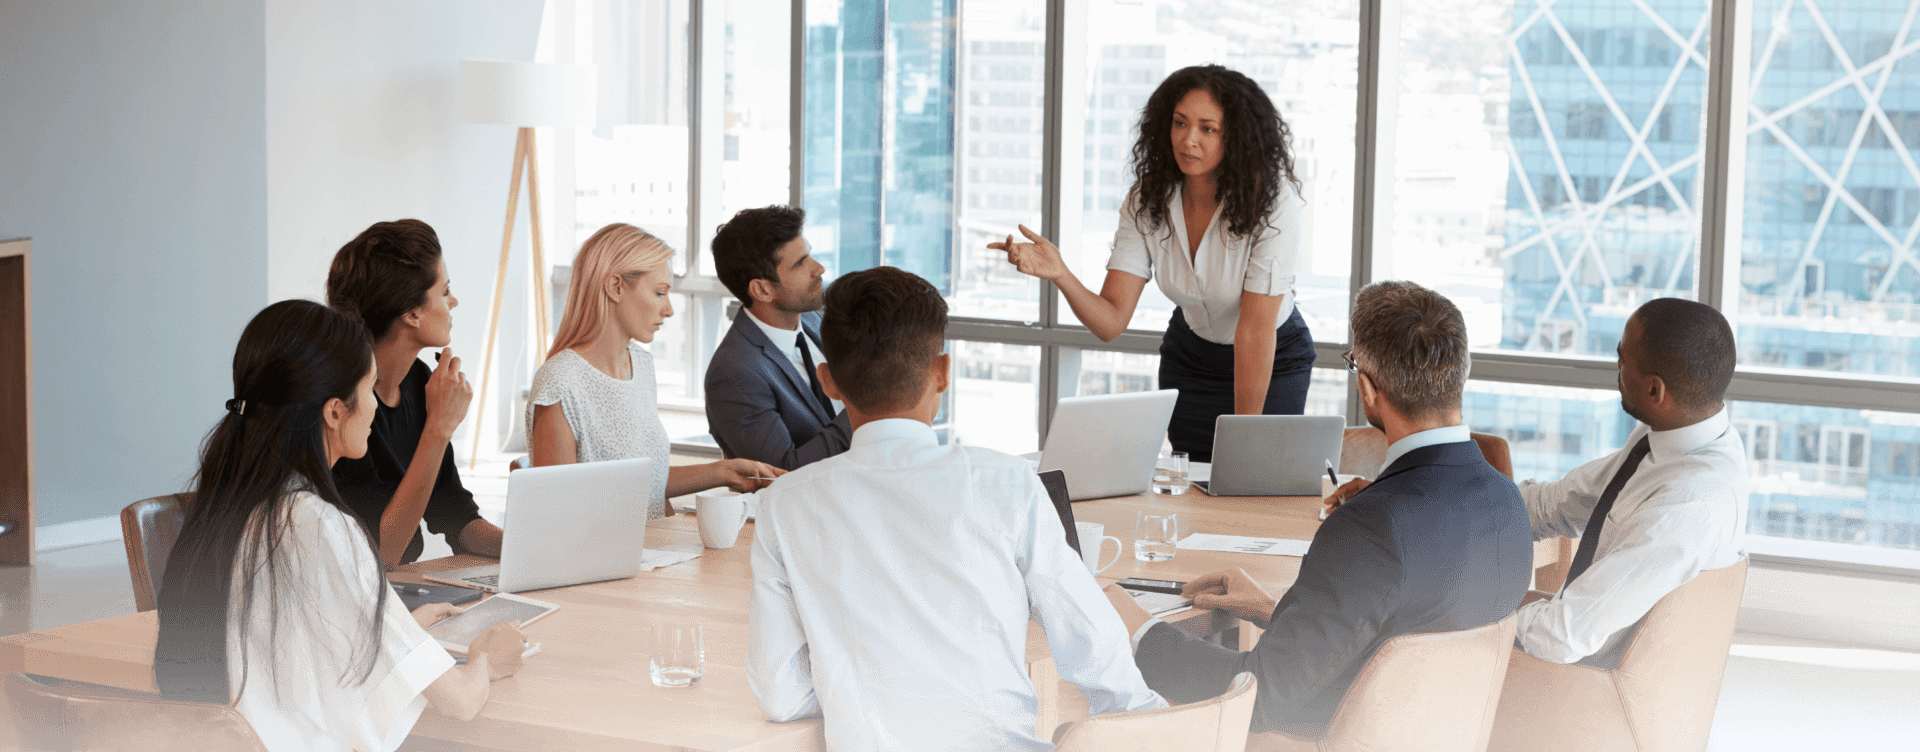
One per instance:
(1495, 450)
(52, 715)
(1669, 679)
(1216, 725)
(1364, 448)
(1433, 692)
(149, 528)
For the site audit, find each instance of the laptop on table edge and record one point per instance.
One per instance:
(566, 525)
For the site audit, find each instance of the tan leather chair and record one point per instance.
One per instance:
(149, 528)
(56, 716)
(1364, 448)
(1660, 699)
(1421, 692)
(1215, 725)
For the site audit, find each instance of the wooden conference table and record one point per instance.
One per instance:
(588, 687)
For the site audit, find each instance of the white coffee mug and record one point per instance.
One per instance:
(721, 514)
(1327, 488)
(1095, 533)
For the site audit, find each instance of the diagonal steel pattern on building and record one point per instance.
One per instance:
(1870, 79)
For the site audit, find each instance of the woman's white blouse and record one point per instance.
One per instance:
(611, 419)
(1208, 287)
(302, 691)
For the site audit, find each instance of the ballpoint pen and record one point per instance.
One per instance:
(1332, 477)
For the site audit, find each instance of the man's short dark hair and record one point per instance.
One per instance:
(384, 272)
(747, 247)
(880, 330)
(1689, 346)
(1412, 342)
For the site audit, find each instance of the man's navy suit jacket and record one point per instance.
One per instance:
(1440, 542)
(762, 408)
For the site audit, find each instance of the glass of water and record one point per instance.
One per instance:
(677, 656)
(1170, 473)
(1154, 536)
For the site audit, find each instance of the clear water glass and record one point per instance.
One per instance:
(1170, 473)
(677, 656)
(1154, 536)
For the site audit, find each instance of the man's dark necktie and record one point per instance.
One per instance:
(813, 375)
(1590, 538)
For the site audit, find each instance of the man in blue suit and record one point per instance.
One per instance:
(764, 400)
(1439, 542)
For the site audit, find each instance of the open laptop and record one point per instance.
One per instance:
(1107, 443)
(567, 524)
(1272, 455)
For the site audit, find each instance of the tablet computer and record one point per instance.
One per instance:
(457, 632)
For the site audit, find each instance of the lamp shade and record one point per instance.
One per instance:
(500, 92)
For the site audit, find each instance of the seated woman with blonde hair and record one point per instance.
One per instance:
(594, 398)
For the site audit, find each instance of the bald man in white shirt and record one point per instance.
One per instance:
(893, 583)
(1668, 505)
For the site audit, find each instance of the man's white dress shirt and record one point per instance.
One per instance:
(1207, 286)
(892, 588)
(788, 340)
(1683, 511)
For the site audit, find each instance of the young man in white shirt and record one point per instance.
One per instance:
(764, 402)
(892, 584)
(1671, 503)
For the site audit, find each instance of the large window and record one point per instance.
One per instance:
(924, 142)
(1549, 165)
(1827, 266)
(1546, 164)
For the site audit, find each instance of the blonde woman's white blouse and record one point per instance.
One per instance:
(302, 692)
(612, 419)
(1208, 287)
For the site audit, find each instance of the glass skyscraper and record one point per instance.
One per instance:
(1605, 126)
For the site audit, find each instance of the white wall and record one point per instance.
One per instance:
(361, 128)
(1814, 606)
(181, 164)
(132, 151)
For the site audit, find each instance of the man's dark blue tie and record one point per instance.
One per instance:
(813, 375)
(1590, 538)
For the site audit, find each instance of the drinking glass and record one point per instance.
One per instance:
(1170, 473)
(1154, 536)
(677, 656)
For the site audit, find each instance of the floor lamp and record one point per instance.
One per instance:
(524, 95)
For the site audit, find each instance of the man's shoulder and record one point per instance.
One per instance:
(1420, 479)
(736, 336)
(734, 356)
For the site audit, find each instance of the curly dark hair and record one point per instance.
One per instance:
(1259, 149)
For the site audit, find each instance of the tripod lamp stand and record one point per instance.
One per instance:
(525, 95)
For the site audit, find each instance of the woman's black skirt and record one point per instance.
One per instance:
(1203, 372)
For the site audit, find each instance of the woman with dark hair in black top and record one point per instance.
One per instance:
(391, 276)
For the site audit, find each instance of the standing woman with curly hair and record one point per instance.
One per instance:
(1215, 209)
